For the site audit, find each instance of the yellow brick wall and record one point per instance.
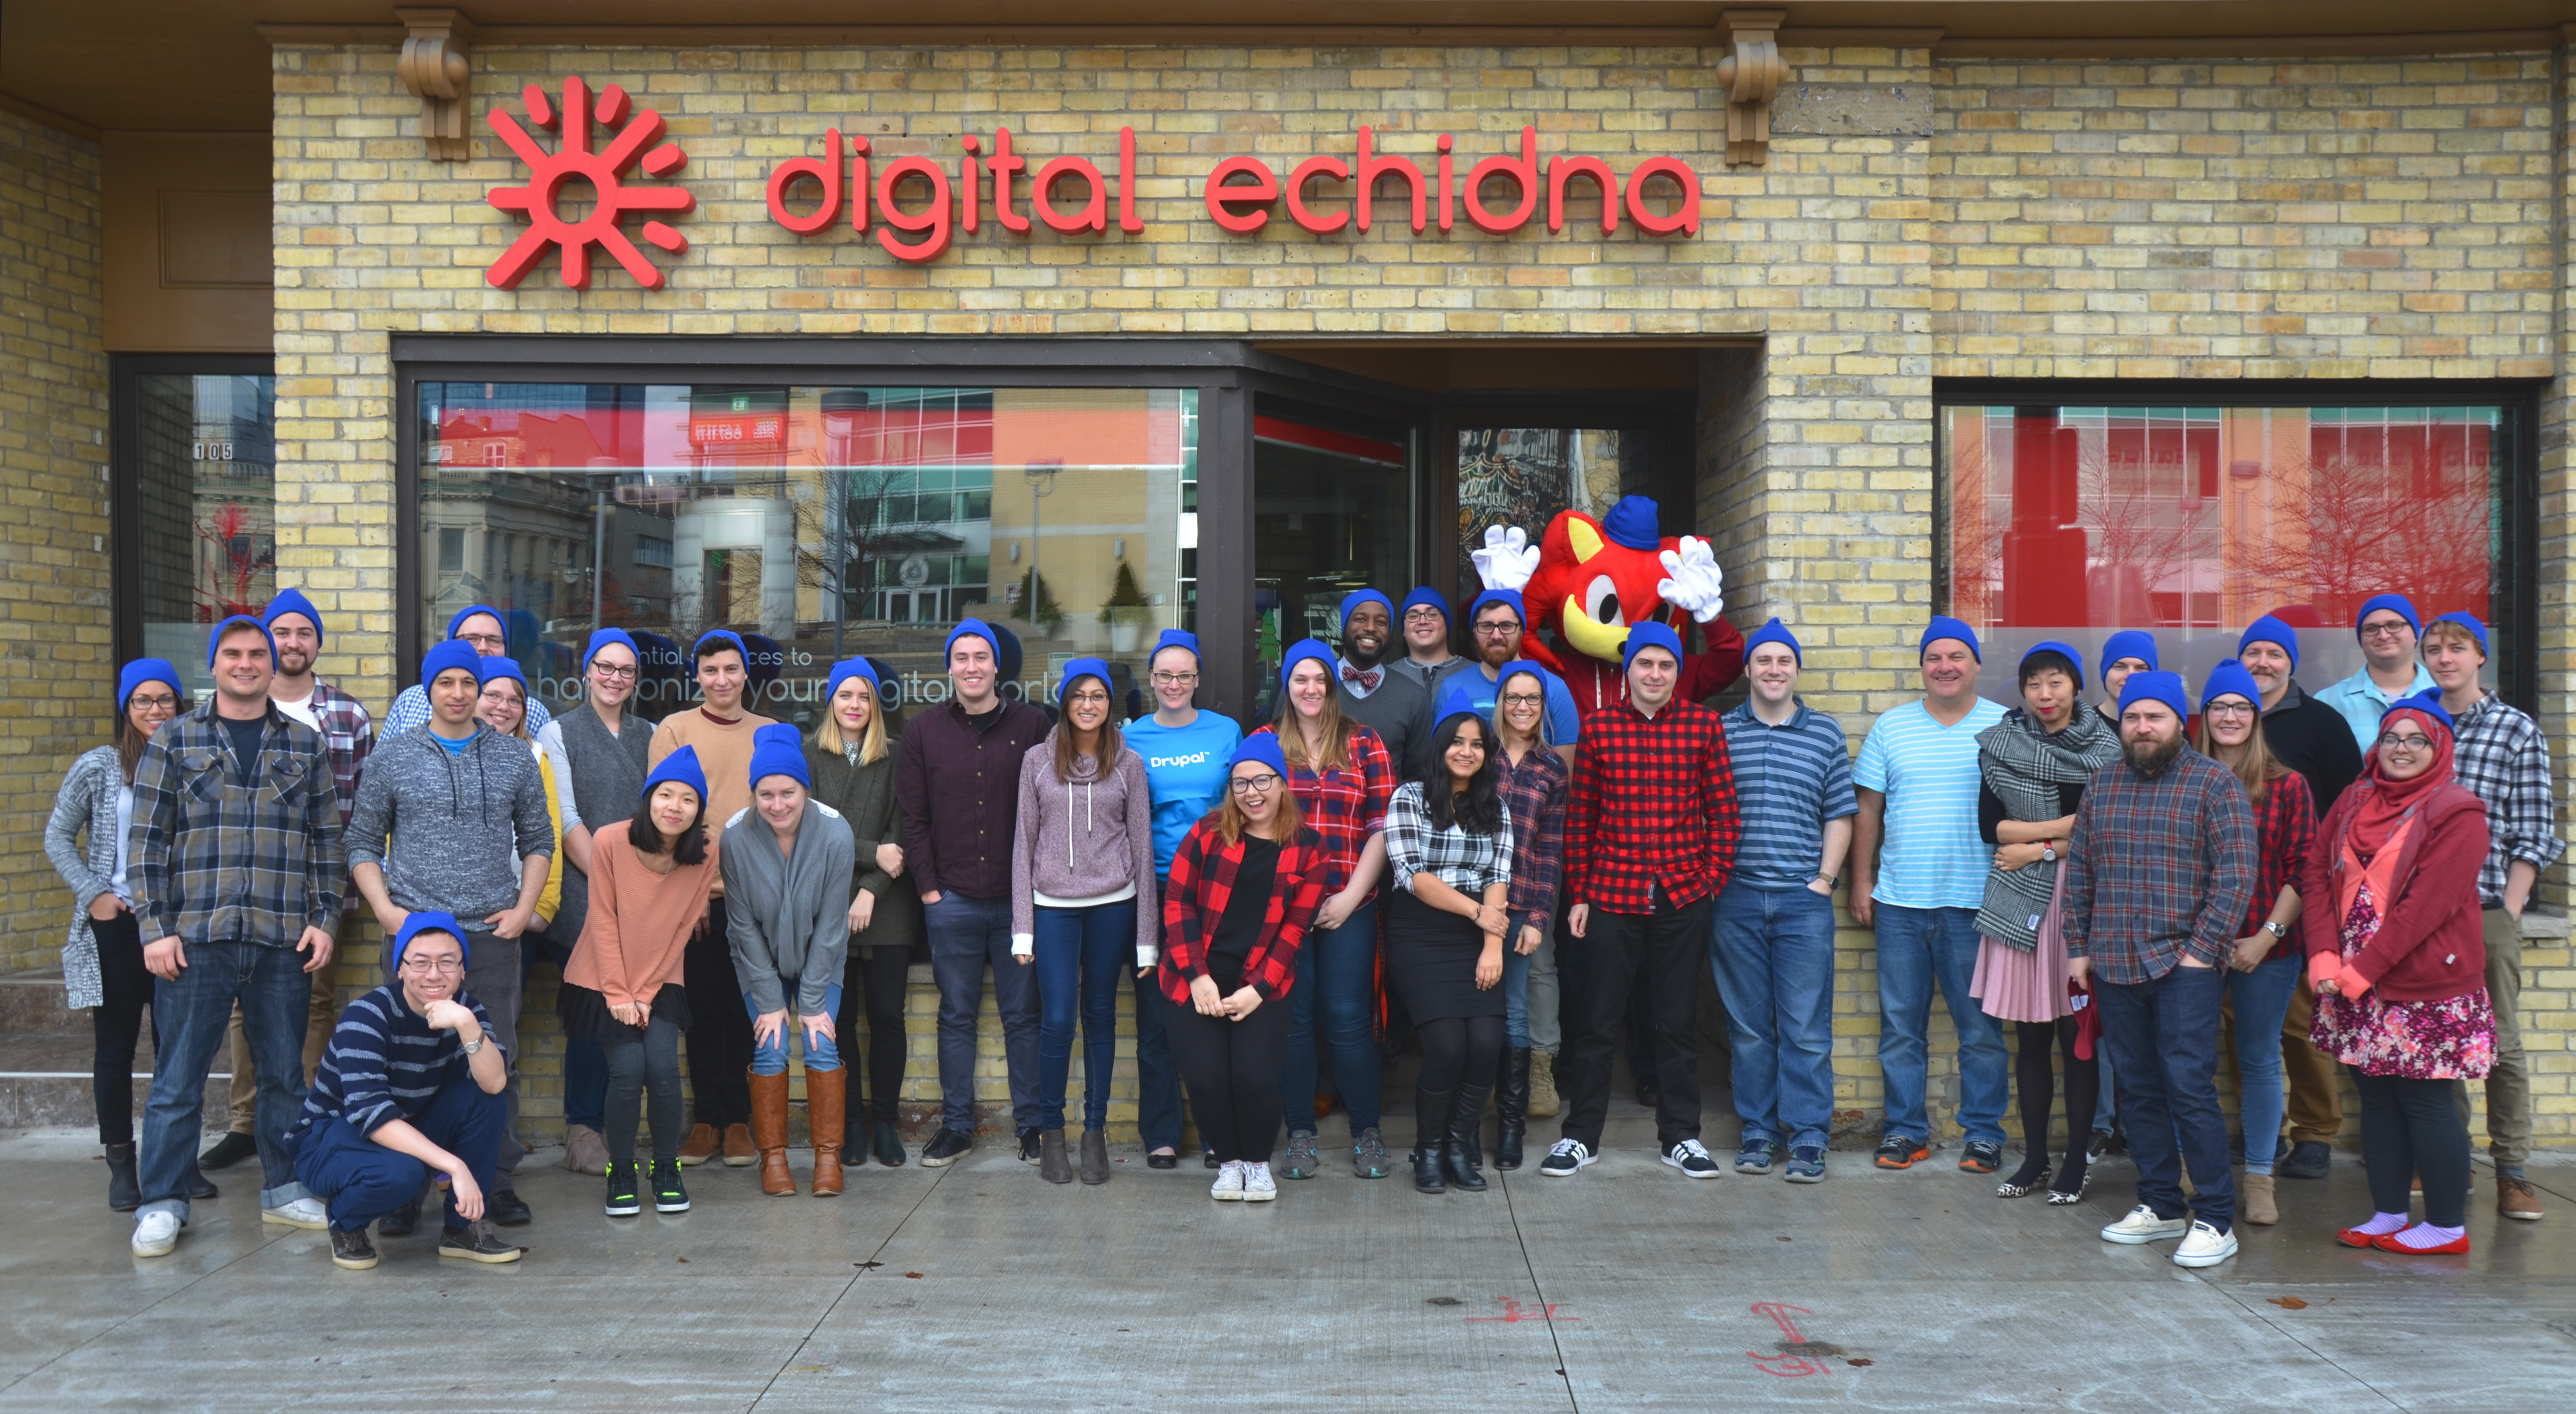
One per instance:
(56, 678)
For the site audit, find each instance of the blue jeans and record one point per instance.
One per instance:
(966, 936)
(360, 1180)
(1079, 954)
(821, 1051)
(1773, 953)
(2164, 1037)
(1516, 970)
(1158, 1084)
(193, 1016)
(1918, 947)
(2260, 999)
(1336, 974)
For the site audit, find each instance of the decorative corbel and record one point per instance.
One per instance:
(437, 69)
(1751, 74)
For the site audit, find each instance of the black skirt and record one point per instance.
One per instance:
(1431, 960)
(585, 1013)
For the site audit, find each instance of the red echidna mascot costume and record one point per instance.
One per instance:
(1587, 580)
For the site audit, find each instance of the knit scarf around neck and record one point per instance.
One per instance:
(2024, 763)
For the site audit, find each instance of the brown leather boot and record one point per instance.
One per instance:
(769, 1133)
(827, 1098)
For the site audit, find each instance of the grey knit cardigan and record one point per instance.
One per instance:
(87, 801)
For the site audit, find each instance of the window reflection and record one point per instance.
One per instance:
(206, 454)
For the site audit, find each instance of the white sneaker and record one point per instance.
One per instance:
(1228, 1187)
(306, 1213)
(2142, 1226)
(155, 1234)
(2205, 1246)
(1566, 1157)
(1257, 1187)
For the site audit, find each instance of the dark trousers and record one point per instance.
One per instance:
(719, 1029)
(585, 1068)
(2163, 1039)
(116, 1023)
(2411, 1128)
(635, 1060)
(874, 986)
(1660, 952)
(1232, 1068)
(360, 1180)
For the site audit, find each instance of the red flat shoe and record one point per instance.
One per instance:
(2452, 1248)
(2355, 1237)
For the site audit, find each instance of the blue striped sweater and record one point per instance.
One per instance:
(384, 1062)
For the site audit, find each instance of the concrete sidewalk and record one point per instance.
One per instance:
(978, 1287)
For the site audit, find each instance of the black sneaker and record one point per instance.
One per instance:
(477, 1242)
(1030, 1144)
(2097, 1146)
(401, 1222)
(351, 1251)
(1567, 1157)
(1207, 1159)
(623, 1200)
(945, 1148)
(2309, 1158)
(669, 1194)
(1982, 1157)
(1898, 1152)
(228, 1151)
(1692, 1159)
(505, 1209)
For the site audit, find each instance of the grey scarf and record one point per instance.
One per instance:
(2023, 763)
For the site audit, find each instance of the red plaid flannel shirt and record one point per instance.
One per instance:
(1653, 803)
(2285, 830)
(1203, 870)
(1346, 804)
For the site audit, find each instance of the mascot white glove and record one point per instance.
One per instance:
(1508, 559)
(1696, 583)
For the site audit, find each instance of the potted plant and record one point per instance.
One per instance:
(1127, 614)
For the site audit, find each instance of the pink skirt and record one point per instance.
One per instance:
(2013, 985)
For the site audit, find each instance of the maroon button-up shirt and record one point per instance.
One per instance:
(958, 788)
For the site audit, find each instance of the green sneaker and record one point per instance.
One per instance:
(622, 1199)
(668, 1194)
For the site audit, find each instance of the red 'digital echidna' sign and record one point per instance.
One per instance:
(915, 205)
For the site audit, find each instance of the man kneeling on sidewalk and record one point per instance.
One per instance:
(410, 1086)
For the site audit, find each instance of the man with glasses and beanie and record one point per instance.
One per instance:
(2388, 628)
(1499, 621)
(1423, 619)
(479, 627)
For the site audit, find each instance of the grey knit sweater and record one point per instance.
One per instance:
(449, 831)
(787, 917)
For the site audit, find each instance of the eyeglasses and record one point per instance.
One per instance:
(2412, 741)
(434, 965)
(2229, 710)
(610, 672)
(2388, 631)
(1262, 784)
(1421, 613)
(1524, 699)
(486, 644)
(1504, 629)
(1176, 679)
(162, 703)
(1088, 699)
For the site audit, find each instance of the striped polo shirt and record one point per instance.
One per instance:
(1789, 780)
(384, 1062)
(1932, 856)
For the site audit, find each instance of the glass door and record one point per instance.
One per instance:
(1333, 511)
(196, 505)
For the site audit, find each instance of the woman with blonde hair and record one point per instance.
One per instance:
(851, 756)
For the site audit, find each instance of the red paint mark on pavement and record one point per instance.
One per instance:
(1782, 1363)
(1514, 1313)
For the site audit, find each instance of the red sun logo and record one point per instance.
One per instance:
(573, 163)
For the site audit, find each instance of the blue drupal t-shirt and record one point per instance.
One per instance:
(1185, 769)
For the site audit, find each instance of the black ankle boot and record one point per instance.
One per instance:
(124, 1189)
(1458, 1158)
(1511, 1108)
(1430, 1133)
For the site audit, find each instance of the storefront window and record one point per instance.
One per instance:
(1523, 476)
(2075, 522)
(820, 523)
(1332, 512)
(204, 454)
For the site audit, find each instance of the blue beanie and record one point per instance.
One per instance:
(430, 920)
(470, 611)
(1425, 594)
(1010, 659)
(2428, 702)
(1508, 598)
(2469, 621)
(2404, 606)
(604, 638)
(1358, 597)
(1633, 523)
(454, 653)
(2067, 651)
(215, 639)
(1262, 747)
(725, 636)
(499, 666)
(849, 668)
(292, 601)
(1304, 649)
(1774, 632)
(681, 766)
(2229, 679)
(1943, 626)
(2161, 687)
(143, 670)
(2130, 643)
(1081, 668)
(1180, 638)
(778, 750)
(1649, 634)
(2270, 629)
(975, 628)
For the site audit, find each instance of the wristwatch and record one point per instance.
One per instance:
(1830, 881)
(474, 1046)
(2275, 929)
(2048, 851)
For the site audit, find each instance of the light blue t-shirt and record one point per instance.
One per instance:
(1185, 770)
(1931, 856)
(2361, 702)
(1469, 689)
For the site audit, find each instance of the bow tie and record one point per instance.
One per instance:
(1367, 680)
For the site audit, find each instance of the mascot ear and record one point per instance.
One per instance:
(1583, 537)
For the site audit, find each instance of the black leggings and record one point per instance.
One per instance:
(1455, 1047)
(1232, 1070)
(116, 1023)
(2411, 1128)
(877, 984)
(719, 1026)
(638, 1061)
(2037, 1080)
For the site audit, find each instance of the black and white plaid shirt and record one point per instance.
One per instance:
(2501, 756)
(1469, 863)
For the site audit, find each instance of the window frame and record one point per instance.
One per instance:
(125, 474)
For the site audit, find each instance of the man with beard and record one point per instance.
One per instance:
(1376, 693)
(295, 626)
(2160, 870)
(1498, 622)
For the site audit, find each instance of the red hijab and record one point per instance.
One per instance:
(2386, 801)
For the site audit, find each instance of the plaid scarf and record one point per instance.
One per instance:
(2024, 763)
